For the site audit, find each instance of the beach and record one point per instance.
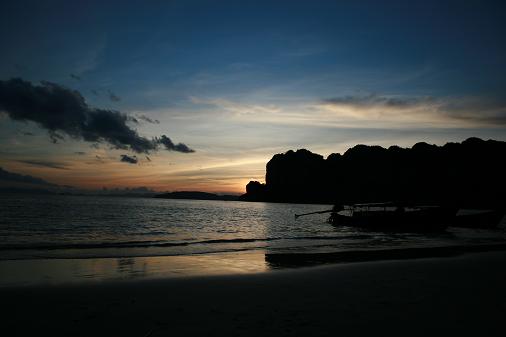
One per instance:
(97, 266)
(446, 296)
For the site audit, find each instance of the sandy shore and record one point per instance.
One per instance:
(451, 296)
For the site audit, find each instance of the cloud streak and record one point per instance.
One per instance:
(45, 163)
(62, 111)
(237, 108)
(373, 111)
(465, 111)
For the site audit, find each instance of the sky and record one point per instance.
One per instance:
(199, 95)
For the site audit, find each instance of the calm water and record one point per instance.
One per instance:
(69, 239)
(33, 227)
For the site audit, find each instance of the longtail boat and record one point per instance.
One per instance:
(388, 216)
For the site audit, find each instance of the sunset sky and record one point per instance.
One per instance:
(231, 83)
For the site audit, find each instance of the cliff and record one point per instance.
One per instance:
(470, 174)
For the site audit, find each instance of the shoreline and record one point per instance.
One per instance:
(462, 295)
(61, 271)
(294, 260)
(347, 255)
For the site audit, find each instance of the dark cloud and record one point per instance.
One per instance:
(62, 111)
(75, 77)
(55, 137)
(45, 163)
(148, 120)
(113, 97)
(169, 145)
(127, 159)
(20, 178)
(133, 119)
(95, 92)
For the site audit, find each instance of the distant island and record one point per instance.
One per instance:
(196, 195)
(467, 174)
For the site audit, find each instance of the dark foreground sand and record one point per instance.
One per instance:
(455, 296)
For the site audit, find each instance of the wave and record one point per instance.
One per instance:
(147, 244)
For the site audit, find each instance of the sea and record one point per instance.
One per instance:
(71, 238)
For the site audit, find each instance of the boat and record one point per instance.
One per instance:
(478, 218)
(393, 217)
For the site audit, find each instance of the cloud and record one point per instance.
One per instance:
(148, 120)
(373, 106)
(45, 163)
(128, 159)
(55, 137)
(169, 145)
(375, 100)
(476, 110)
(62, 111)
(20, 178)
(464, 111)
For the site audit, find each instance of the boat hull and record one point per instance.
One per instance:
(421, 220)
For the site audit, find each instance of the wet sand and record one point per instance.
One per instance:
(447, 296)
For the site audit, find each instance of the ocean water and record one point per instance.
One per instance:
(48, 227)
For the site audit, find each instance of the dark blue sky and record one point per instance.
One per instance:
(237, 79)
(460, 44)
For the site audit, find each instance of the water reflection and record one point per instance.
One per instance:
(60, 271)
(132, 269)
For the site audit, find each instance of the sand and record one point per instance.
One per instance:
(448, 296)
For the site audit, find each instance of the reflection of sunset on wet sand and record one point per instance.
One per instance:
(71, 271)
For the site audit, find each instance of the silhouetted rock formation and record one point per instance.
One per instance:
(470, 173)
(196, 195)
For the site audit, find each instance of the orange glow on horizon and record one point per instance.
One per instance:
(221, 179)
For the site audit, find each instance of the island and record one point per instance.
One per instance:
(197, 195)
